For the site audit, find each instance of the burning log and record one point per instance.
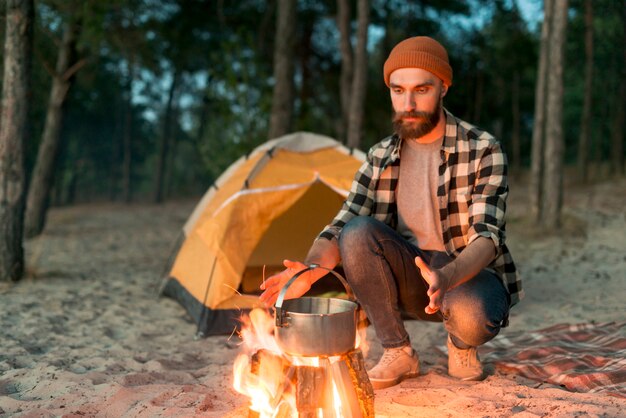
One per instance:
(286, 385)
(350, 407)
(361, 382)
(310, 390)
(263, 361)
(340, 388)
(354, 386)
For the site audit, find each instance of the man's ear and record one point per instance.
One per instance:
(444, 90)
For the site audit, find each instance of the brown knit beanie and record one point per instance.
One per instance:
(419, 52)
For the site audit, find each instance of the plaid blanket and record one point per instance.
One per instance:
(582, 357)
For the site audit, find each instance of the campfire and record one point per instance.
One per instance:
(281, 384)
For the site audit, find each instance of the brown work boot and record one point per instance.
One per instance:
(394, 366)
(464, 364)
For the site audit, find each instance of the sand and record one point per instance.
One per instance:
(85, 335)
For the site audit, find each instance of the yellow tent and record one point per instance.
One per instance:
(266, 207)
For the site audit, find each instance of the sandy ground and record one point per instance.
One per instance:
(85, 335)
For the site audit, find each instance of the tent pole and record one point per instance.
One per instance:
(200, 334)
(165, 275)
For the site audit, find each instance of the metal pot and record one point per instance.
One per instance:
(314, 326)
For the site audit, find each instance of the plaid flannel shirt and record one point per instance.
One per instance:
(472, 194)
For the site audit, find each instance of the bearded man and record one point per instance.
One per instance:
(421, 234)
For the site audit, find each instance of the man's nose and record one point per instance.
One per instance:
(409, 102)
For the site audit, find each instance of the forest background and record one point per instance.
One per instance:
(151, 100)
(119, 114)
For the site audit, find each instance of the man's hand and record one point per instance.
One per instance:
(274, 284)
(438, 285)
(323, 252)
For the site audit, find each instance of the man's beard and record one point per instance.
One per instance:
(427, 121)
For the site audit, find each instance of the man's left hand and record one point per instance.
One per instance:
(438, 284)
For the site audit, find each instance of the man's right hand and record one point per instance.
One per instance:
(274, 284)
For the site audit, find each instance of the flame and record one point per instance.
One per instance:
(257, 332)
(265, 385)
(361, 339)
(269, 389)
(337, 404)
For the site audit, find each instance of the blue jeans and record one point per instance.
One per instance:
(379, 266)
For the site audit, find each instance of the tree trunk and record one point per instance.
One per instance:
(203, 116)
(390, 29)
(553, 155)
(617, 136)
(165, 141)
(127, 137)
(116, 140)
(170, 165)
(359, 82)
(598, 149)
(305, 50)
(498, 120)
(345, 82)
(70, 197)
(515, 129)
(43, 172)
(282, 97)
(536, 175)
(18, 42)
(585, 119)
(265, 25)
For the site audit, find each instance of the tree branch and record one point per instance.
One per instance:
(74, 69)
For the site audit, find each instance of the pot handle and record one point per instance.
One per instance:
(281, 315)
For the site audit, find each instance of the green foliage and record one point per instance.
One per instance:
(497, 53)
(223, 53)
(608, 47)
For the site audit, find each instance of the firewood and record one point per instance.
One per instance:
(313, 386)
(288, 380)
(255, 361)
(342, 376)
(361, 382)
(328, 409)
(310, 385)
(284, 411)
(255, 364)
(260, 362)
